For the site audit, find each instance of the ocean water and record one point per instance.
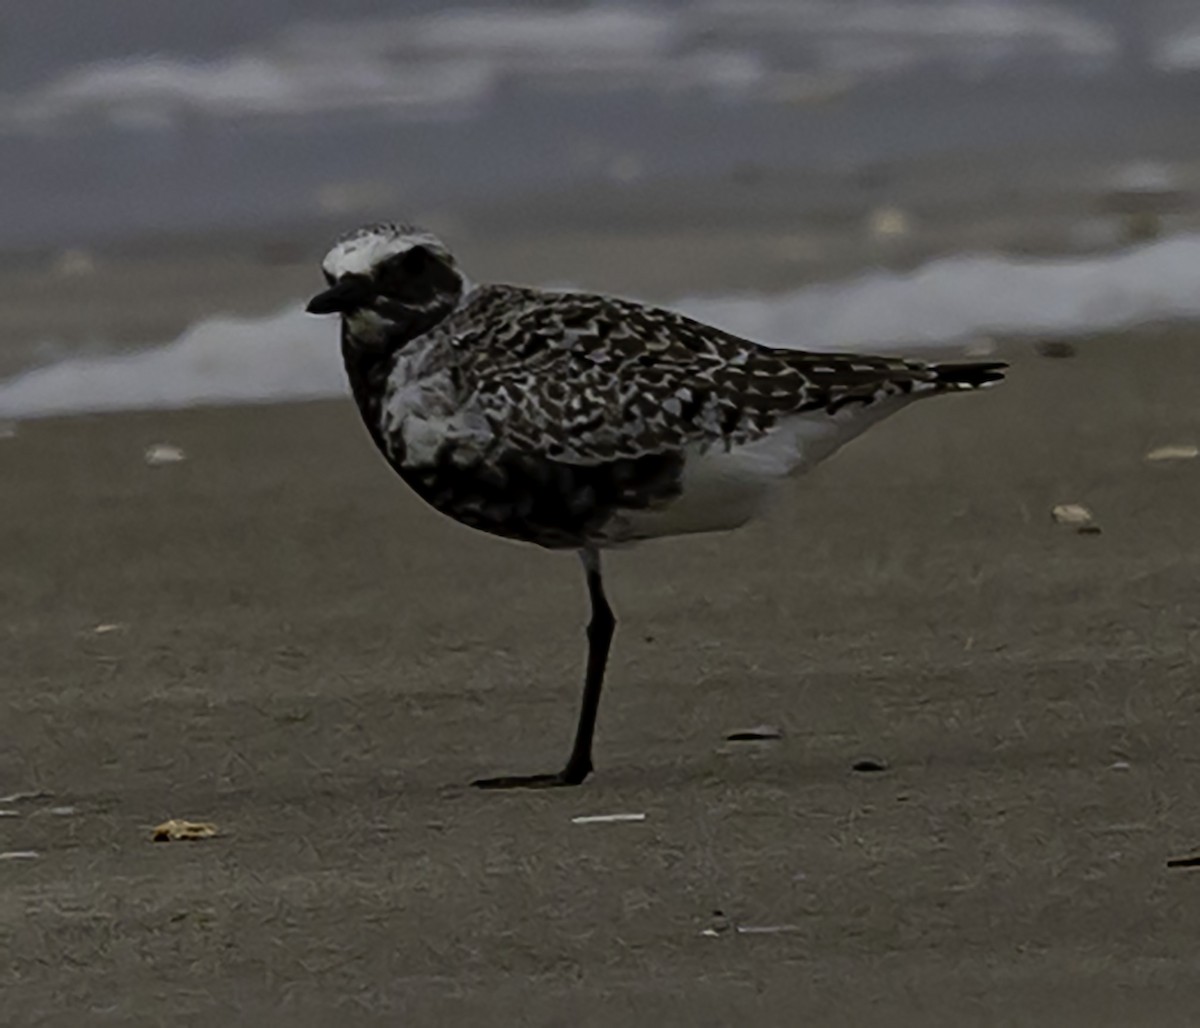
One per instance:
(957, 303)
(125, 117)
(122, 119)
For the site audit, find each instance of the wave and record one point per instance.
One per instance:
(454, 61)
(948, 302)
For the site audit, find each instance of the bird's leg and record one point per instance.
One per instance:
(600, 633)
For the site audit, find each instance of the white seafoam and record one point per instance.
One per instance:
(950, 302)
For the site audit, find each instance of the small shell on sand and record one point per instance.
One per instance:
(759, 733)
(163, 453)
(1076, 516)
(178, 830)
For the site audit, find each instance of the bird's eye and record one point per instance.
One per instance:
(415, 261)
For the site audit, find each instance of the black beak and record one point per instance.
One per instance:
(349, 294)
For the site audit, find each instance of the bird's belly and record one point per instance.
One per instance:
(719, 489)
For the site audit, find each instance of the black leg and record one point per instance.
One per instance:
(600, 633)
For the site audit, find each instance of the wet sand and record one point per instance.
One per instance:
(300, 652)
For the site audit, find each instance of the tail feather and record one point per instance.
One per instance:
(974, 375)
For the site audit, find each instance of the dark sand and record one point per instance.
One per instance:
(314, 661)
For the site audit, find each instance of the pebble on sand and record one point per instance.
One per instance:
(889, 223)
(158, 454)
(74, 263)
(1056, 349)
(1076, 516)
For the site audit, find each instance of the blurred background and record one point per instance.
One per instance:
(164, 163)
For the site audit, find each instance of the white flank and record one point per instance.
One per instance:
(723, 489)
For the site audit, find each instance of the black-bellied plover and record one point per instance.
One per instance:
(580, 422)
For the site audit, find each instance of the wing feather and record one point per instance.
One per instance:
(589, 379)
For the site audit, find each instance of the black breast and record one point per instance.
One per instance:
(547, 502)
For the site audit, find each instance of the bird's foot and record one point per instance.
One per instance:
(565, 777)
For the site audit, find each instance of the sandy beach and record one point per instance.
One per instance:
(273, 635)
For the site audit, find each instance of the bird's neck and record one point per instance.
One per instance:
(371, 359)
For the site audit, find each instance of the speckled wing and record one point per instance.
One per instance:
(587, 379)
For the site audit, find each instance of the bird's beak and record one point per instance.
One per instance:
(349, 294)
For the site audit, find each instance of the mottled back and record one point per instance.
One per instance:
(587, 379)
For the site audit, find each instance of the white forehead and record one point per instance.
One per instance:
(359, 253)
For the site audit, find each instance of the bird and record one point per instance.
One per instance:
(579, 421)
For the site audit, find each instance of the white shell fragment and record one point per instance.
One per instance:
(1178, 452)
(158, 454)
(17, 797)
(1076, 516)
(108, 628)
(766, 929)
(179, 830)
(721, 925)
(20, 855)
(606, 819)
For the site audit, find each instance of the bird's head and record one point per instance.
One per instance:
(389, 282)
